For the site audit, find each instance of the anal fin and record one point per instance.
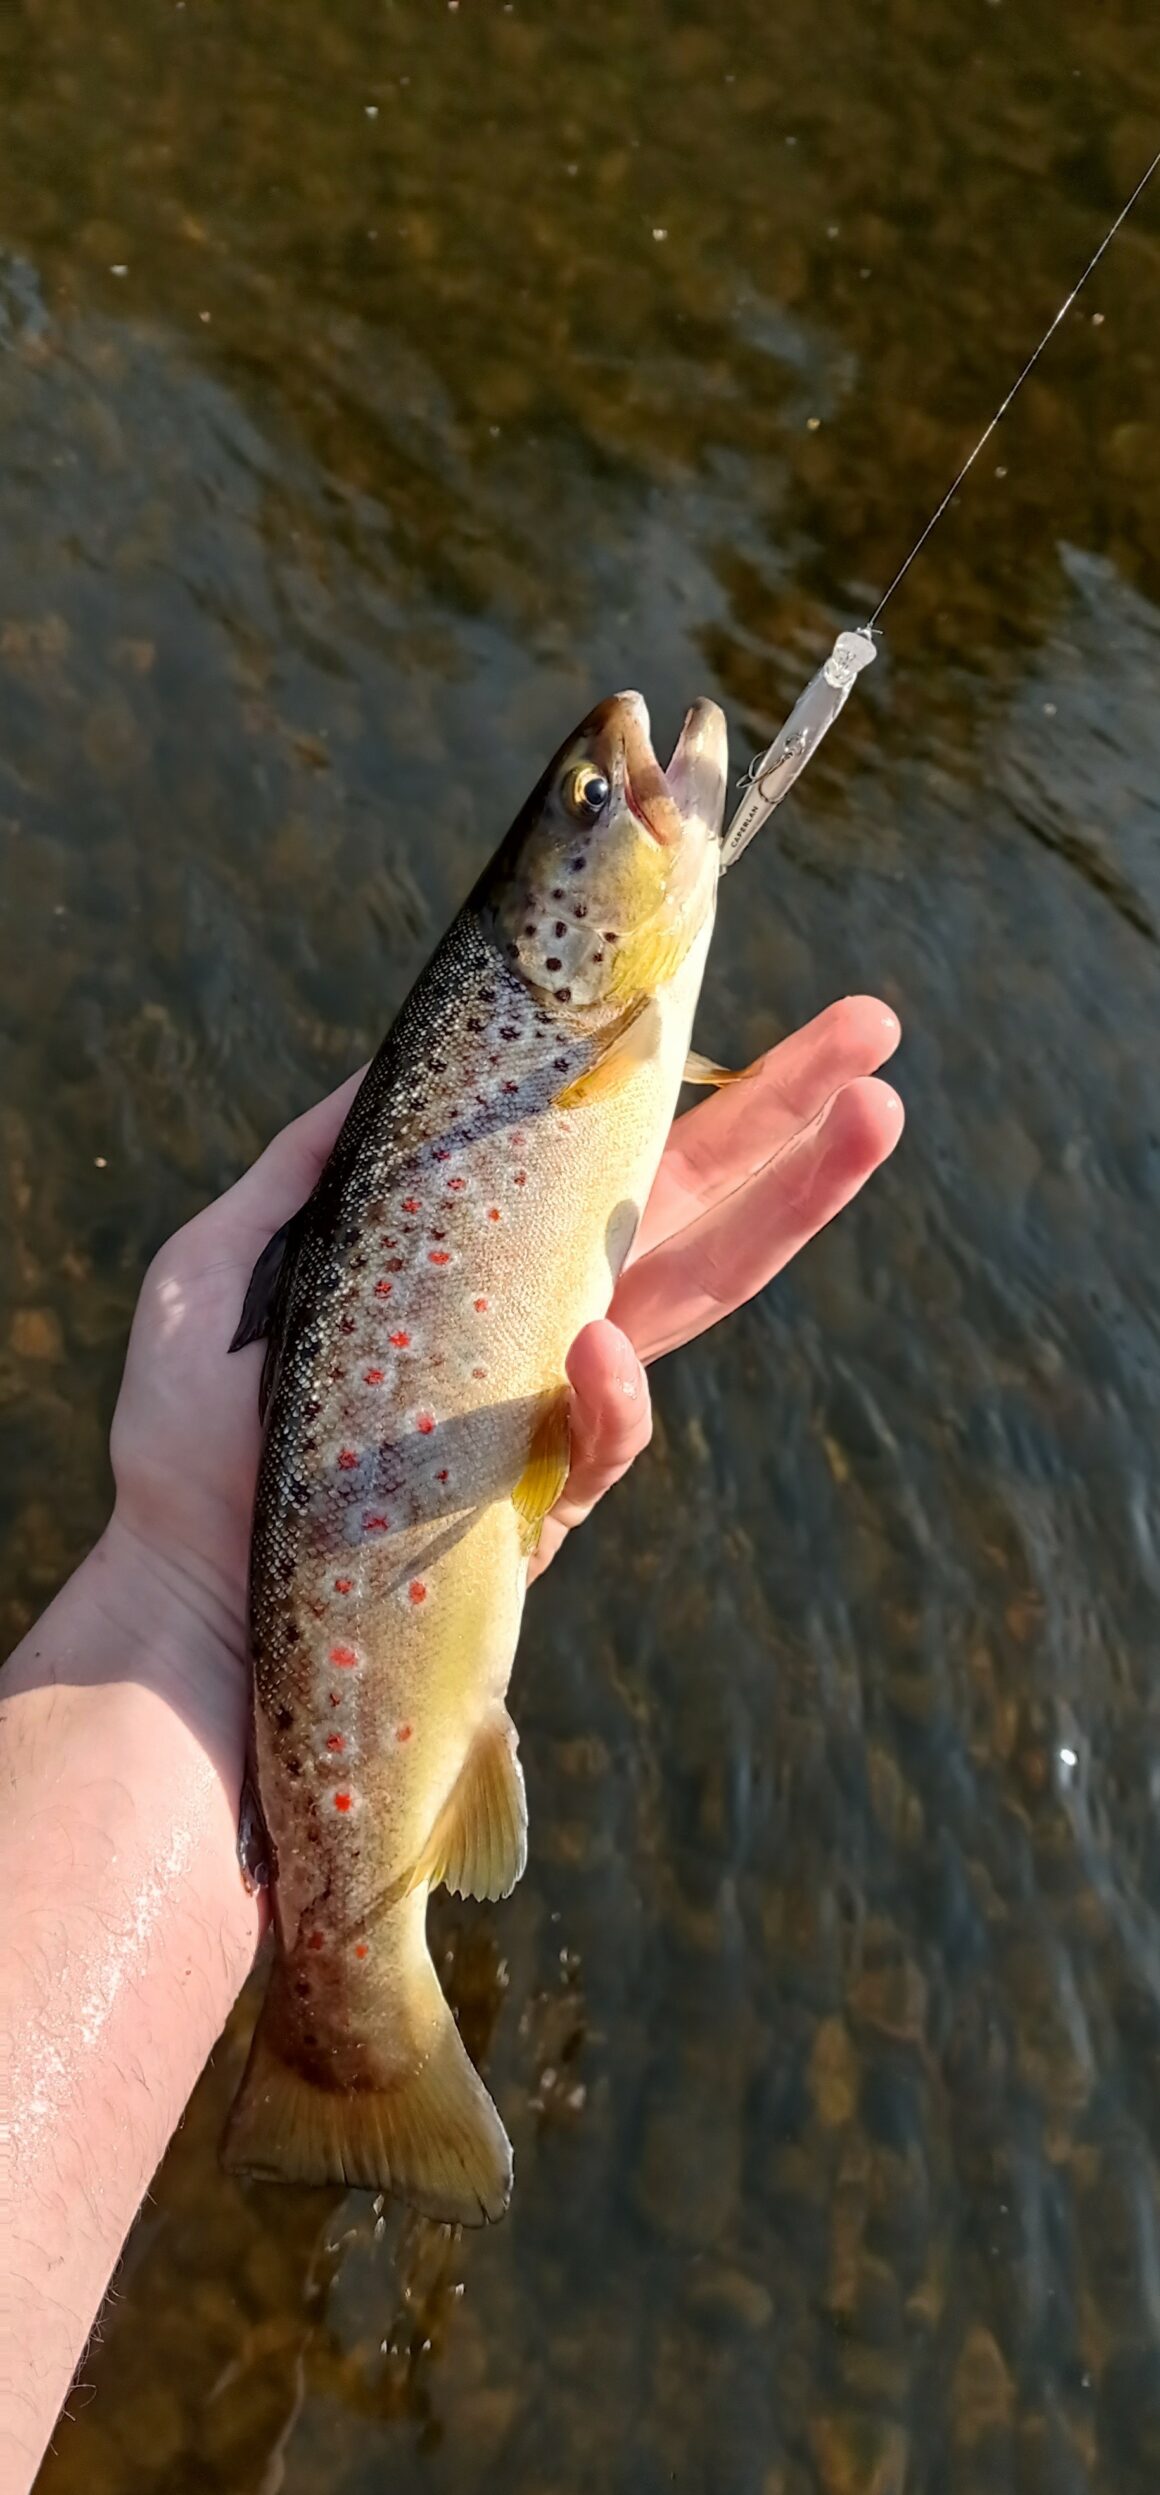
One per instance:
(628, 1045)
(479, 1844)
(546, 1470)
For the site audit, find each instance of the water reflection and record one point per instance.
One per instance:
(461, 366)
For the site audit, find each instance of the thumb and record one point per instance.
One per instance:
(611, 1424)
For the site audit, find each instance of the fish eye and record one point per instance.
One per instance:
(588, 792)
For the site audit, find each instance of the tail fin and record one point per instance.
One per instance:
(432, 2135)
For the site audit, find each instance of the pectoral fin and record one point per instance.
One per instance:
(546, 1470)
(628, 1046)
(479, 1844)
(700, 1069)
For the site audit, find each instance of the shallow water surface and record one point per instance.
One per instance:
(378, 386)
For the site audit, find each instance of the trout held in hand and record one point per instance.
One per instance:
(474, 1215)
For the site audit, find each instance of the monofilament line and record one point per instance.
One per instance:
(1015, 388)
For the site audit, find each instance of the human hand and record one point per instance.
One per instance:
(747, 1178)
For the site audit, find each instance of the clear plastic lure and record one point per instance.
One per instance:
(775, 771)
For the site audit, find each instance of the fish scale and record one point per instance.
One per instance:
(473, 1216)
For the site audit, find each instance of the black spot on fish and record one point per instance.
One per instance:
(560, 927)
(581, 909)
(563, 996)
(552, 962)
(294, 1767)
(576, 866)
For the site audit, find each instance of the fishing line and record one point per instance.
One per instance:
(1015, 388)
(773, 773)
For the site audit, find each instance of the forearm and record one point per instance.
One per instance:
(124, 1937)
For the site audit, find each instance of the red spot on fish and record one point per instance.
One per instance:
(443, 1476)
(403, 1732)
(374, 1377)
(520, 1179)
(335, 1697)
(376, 1524)
(387, 1243)
(336, 1741)
(383, 1290)
(417, 1590)
(442, 1154)
(342, 1585)
(395, 1264)
(425, 1421)
(347, 1459)
(360, 1949)
(438, 1256)
(457, 1185)
(481, 1307)
(342, 1801)
(316, 1940)
(410, 1204)
(510, 1087)
(345, 1657)
(479, 1373)
(518, 1142)
(493, 1212)
(346, 1325)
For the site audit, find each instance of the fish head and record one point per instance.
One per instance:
(609, 872)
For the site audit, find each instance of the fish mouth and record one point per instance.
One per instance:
(692, 788)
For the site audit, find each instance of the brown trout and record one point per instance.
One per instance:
(474, 1215)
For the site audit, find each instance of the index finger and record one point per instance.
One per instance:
(715, 1147)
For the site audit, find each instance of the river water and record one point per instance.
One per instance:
(379, 385)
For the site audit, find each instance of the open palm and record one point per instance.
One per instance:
(747, 1178)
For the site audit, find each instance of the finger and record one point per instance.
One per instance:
(611, 1423)
(726, 1139)
(735, 1248)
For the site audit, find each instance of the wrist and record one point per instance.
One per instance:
(127, 1931)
